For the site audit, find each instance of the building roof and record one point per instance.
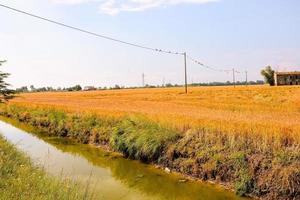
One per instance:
(288, 73)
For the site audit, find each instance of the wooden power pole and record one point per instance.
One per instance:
(185, 73)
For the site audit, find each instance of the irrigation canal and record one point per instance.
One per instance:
(106, 175)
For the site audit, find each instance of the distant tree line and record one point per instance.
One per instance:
(25, 89)
(46, 89)
(258, 82)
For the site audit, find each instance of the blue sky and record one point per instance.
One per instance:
(244, 34)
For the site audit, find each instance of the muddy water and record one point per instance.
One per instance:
(107, 175)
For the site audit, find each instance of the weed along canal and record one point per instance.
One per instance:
(106, 175)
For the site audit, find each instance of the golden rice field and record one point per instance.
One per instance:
(244, 109)
(247, 137)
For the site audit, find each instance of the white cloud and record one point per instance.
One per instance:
(114, 7)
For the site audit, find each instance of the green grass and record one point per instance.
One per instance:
(141, 139)
(20, 179)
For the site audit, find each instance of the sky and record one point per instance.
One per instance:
(241, 34)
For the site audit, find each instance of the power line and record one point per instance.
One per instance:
(212, 68)
(222, 70)
(207, 66)
(185, 56)
(89, 32)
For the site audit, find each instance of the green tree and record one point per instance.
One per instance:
(268, 74)
(74, 88)
(22, 89)
(32, 88)
(5, 93)
(77, 88)
(117, 87)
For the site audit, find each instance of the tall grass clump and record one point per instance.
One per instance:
(141, 139)
(20, 179)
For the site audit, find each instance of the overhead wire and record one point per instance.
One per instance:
(91, 33)
(207, 66)
(212, 68)
(118, 40)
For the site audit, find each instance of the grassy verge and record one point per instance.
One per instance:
(253, 164)
(20, 179)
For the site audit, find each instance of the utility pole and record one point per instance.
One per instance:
(246, 72)
(233, 77)
(143, 80)
(185, 74)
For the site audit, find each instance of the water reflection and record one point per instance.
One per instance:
(110, 176)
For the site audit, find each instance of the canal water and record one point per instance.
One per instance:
(108, 175)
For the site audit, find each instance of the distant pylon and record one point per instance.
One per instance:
(143, 80)
(233, 77)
